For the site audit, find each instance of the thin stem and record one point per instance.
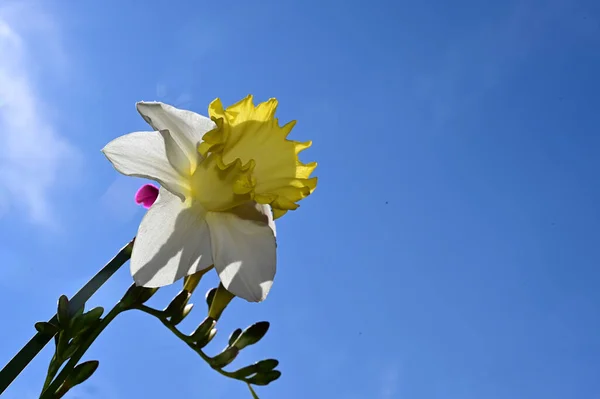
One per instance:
(52, 370)
(49, 392)
(185, 338)
(18, 363)
(254, 395)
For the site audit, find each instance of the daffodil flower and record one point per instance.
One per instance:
(223, 180)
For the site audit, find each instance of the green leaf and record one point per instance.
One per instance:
(264, 378)
(252, 334)
(254, 395)
(63, 311)
(224, 358)
(82, 372)
(234, 335)
(46, 328)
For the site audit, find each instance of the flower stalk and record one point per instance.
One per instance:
(260, 373)
(18, 363)
(61, 384)
(224, 179)
(76, 331)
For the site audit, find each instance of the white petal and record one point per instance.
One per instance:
(244, 253)
(175, 154)
(257, 212)
(187, 127)
(143, 154)
(268, 212)
(173, 241)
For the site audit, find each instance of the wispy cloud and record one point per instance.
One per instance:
(33, 153)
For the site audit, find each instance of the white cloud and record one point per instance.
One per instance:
(33, 154)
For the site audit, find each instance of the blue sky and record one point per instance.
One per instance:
(450, 250)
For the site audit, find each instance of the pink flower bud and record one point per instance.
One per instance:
(146, 195)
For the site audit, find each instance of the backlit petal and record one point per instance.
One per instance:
(143, 154)
(187, 127)
(173, 241)
(244, 254)
(257, 212)
(175, 154)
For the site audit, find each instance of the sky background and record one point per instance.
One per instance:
(450, 251)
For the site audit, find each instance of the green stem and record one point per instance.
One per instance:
(254, 395)
(49, 392)
(52, 370)
(18, 363)
(185, 338)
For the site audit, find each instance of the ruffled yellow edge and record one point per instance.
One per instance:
(286, 192)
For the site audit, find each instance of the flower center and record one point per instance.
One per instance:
(214, 184)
